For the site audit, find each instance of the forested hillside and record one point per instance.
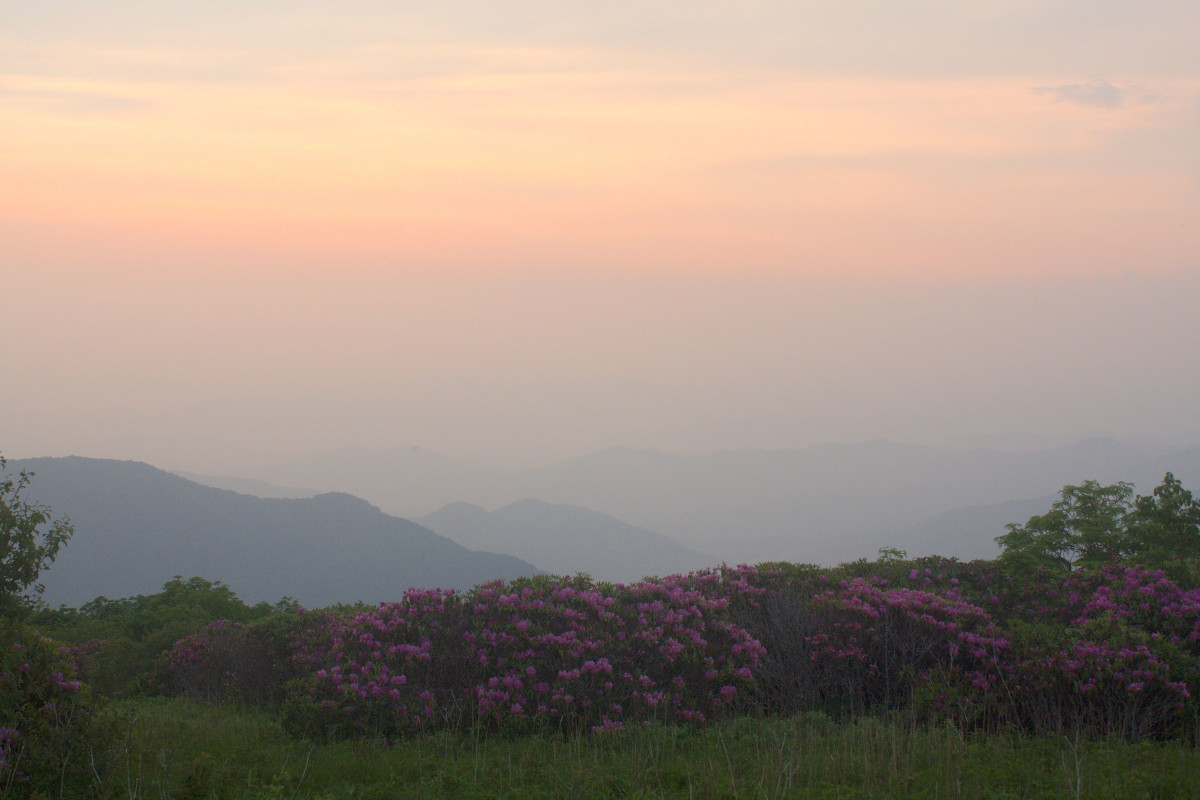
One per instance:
(137, 526)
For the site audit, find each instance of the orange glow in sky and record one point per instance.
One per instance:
(530, 229)
(561, 160)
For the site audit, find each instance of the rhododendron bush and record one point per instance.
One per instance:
(231, 660)
(1106, 651)
(559, 652)
(44, 711)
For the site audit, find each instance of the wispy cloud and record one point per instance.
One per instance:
(74, 103)
(1096, 94)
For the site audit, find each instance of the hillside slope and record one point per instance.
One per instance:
(565, 539)
(137, 526)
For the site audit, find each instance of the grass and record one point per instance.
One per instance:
(180, 750)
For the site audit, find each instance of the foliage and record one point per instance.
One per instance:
(30, 539)
(542, 652)
(232, 661)
(131, 635)
(1074, 633)
(1164, 530)
(1107, 651)
(1091, 525)
(1085, 527)
(181, 749)
(45, 711)
(46, 726)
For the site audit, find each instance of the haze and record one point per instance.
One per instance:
(522, 232)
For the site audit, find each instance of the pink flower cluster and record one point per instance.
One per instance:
(562, 651)
(40, 694)
(1115, 650)
(191, 650)
(867, 643)
(1146, 599)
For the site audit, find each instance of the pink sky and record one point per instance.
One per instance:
(603, 168)
(671, 226)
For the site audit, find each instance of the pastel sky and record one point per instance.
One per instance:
(520, 231)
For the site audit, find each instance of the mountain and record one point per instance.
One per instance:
(137, 526)
(566, 539)
(407, 481)
(827, 503)
(970, 532)
(824, 504)
(250, 486)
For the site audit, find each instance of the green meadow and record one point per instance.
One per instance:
(173, 748)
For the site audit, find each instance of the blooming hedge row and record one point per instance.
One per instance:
(562, 652)
(1115, 650)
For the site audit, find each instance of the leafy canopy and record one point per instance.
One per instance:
(1164, 527)
(29, 541)
(1091, 525)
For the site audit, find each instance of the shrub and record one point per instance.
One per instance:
(534, 653)
(227, 660)
(46, 725)
(1108, 651)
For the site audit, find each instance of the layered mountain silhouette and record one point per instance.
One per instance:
(250, 486)
(137, 526)
(973, 528)
(823, 504)
(837, 502)
(566, 539)
(413, 481)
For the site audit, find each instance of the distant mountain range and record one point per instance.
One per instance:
(414, 481)
(137, 526)
(617, 514)
(566, 539)
(824, 504)
(250, 486)
(973, 529)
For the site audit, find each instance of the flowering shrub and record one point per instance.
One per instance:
(861, 644)
(225, 660)
(895, 639)
(561, 652)
(1140, 598)
(1097, 687)
(44, 713)
(378, 670)
(84, 656)
(1113, 650)
(206, 665)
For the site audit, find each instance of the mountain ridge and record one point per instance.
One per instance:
(137, 526)
(827, 503)
(566, 539)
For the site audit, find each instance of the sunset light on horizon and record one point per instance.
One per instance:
(472, 153)
(766, 174)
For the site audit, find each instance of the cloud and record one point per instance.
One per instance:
(1097, 94)
(75, 103)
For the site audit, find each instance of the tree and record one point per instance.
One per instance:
(1091, 525)
(1086, 527)
(29, 541)
(1164, 529)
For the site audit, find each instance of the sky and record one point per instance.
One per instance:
(517, 232)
